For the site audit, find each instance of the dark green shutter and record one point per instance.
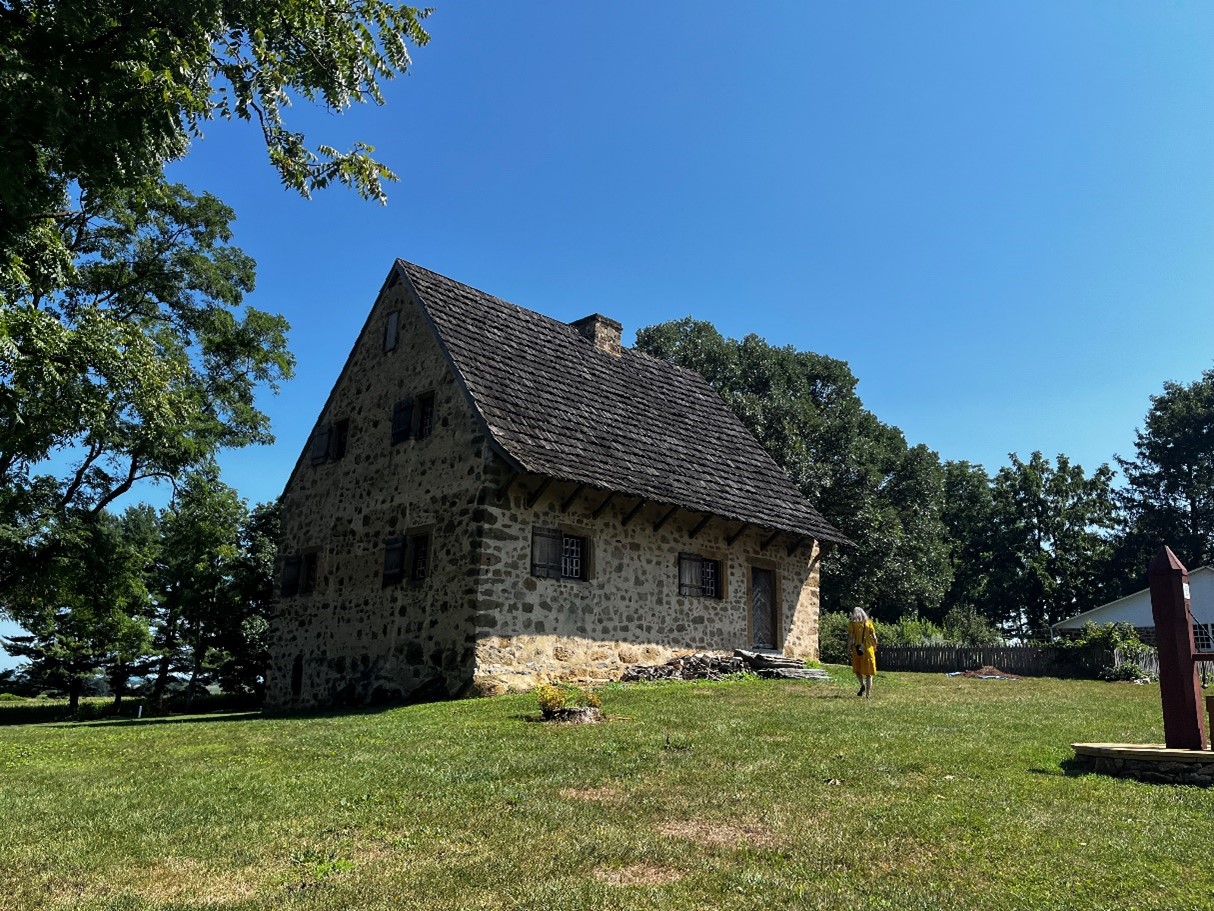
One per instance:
(402, 421)
(320, 443)
(546, 552)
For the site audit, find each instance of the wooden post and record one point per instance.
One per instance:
(1184, 726)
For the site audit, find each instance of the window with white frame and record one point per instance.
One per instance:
(699, 576)
(558, 555)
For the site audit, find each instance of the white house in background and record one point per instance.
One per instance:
(1136, 609)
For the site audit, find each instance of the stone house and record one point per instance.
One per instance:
(494, 497)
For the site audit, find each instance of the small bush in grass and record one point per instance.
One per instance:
(832, 638)
(11, 697)
(1128, 670)
(554, 699)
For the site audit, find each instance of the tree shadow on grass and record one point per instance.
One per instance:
(201, 717)
(1068, 768)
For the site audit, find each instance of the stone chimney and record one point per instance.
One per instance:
(600, 330)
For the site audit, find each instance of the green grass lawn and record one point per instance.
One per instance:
(939, 793)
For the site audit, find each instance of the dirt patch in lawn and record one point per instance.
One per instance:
(602, 794)
(638, 875)
(718, 834)
(986, 672)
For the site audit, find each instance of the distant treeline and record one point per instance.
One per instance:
(1039, 541)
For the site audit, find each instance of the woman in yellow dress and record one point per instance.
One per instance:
(862, 646)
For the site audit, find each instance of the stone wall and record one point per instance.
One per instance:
(629, 611)
(353, 640)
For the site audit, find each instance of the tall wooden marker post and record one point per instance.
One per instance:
(1184, 726)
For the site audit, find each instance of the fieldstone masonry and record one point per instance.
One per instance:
(629, 611)
(479, 619)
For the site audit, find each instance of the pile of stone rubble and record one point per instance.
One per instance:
(715, 667)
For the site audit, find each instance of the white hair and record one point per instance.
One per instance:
(859, 616)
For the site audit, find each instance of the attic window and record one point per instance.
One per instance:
(402, 421)
(337, 442)
(425, 416)
(419, 557)
(699, 576)
(290, 577)
(407, 558)
(394, 561)
(392, 331)
(557, 555)
(328, 443)
(413, 418)
(299, 575)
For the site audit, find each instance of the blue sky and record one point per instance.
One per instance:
(1000, 215)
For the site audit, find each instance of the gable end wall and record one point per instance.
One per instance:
(357, 640)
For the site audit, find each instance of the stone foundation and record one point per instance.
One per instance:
(1150, 763)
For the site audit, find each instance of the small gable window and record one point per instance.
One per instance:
(392, 331)
(699, 576)
(402, 421)
(328, 443)
(558, 555)
(394, 561)
(424, 415)
(338, 439)
(290, 577)
(299, 575)
(407, 558)
(419, 557)
(413, 418)
(307, 573)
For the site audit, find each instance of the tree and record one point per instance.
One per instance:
(967, 515)
(1168, 497)
(143, 366)
(98, 95)
(86, 611)
(859, 472)
(240, 649)
(195, 594)
(1050, 543)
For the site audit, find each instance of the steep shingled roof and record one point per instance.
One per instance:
(634, 424)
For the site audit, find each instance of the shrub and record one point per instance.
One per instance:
(832, 638)
(1128, 670)
(11, 697)
(964, 626)
(1097, 645)
(554, 698)
(909, 631)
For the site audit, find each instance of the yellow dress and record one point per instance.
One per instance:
(863, 662)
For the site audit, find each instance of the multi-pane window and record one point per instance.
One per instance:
(402, 421)
(413, 418)
(699, 576)
(328, 443)
(424, 416)
(1203, 636)
(307, 573)
(299, 574)
(394, 561)
(419, 557)
(557, 555)
(337, 442)
(407, 558)
(290, 576)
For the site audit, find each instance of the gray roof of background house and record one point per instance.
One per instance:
(557, 406)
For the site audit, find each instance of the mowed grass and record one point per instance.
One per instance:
(939, 793)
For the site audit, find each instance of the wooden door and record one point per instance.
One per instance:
(763, 607)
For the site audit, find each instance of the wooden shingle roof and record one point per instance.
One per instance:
(557, 406)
